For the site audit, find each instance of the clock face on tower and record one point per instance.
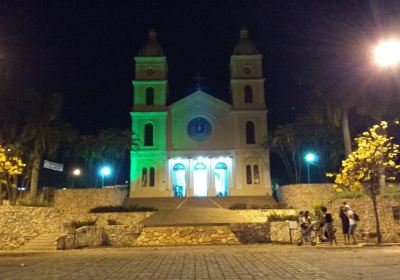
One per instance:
(199, 129)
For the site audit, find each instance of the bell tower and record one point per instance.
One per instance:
(250, 117)
(149, 120)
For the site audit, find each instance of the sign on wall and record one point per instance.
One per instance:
(53, 166)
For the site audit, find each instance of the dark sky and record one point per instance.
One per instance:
(85, 49)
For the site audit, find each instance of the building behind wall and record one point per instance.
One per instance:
(199, 145)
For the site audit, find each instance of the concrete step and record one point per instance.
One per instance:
(46, 241)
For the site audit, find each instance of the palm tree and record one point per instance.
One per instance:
(42, 132)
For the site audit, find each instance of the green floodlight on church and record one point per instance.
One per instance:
(310, 158)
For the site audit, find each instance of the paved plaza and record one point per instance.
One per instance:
(206, 262)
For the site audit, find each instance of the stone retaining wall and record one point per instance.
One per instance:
(20, 224)
(78, 200)
(204, 235)
(303, 196)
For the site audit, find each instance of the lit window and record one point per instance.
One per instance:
(248, 94)
(151, 176)
(144, 177)
(248, 174)
(256, 174)
(149, 96)
(250, 133)
(148, 135)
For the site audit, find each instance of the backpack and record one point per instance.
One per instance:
(356, 217)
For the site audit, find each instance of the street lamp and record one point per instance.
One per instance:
(387, 53)
(310, 158)
(76, 172)
(105, 171)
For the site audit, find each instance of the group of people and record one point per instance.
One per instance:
(324, 229)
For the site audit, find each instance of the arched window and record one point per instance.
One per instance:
(248, 94)
(149, 96)
(256, 174)
(144, 177)
(248, 174)
(148, 135)
(152, 176)
(250, 133)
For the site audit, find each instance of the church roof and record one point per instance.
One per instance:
(245, 46)
(151, 47)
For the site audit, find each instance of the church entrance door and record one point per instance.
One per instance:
(200, 179)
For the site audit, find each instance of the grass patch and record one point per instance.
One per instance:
(112, 222)
(349, 194)
(79, 224)
(113, 209)
(244, 206)
(391, 192)
(282, 217)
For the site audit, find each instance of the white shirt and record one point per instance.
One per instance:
(350, 214)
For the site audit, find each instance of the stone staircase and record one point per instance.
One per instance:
(194, 217)
(43, 242)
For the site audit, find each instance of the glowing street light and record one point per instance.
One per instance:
(105, 171)
(76, 172)
(310, 158)
(387, 53)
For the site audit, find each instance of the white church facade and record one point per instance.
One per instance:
(199, 145)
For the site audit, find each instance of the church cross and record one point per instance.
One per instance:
(198, 78)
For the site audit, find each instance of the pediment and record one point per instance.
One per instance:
(199, 99)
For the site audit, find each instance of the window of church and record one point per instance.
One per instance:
(248, 94)
(148, 135)
(250, 133)
(248, 175)
(149, 96)
(144, 177)
(152, 176)
(256, 174)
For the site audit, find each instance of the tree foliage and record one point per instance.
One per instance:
(373, 160)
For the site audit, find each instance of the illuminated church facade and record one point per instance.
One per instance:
(199, 145)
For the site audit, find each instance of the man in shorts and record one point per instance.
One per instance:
(352, 224)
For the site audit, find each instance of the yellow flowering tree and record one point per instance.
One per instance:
(369, 166)
(10, 167)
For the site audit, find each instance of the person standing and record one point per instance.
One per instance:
(345, 224)
(328, 225)
(352, 224)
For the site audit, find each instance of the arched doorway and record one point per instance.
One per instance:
(200, 179)
(221, 179)
(179, 180)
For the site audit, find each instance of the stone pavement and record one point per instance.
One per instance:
(206, 262)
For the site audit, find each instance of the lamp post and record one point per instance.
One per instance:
(387, 53)
(105, 171)
(310, 158)
(75, 173)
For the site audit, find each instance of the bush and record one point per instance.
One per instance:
(79, 224)
(349, 194)
(238, 206)
(132, 208)
(282, 217)
(391, 192)
(112, 222)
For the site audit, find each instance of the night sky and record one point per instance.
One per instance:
(85, 49)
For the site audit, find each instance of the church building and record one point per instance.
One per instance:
(199, 145)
